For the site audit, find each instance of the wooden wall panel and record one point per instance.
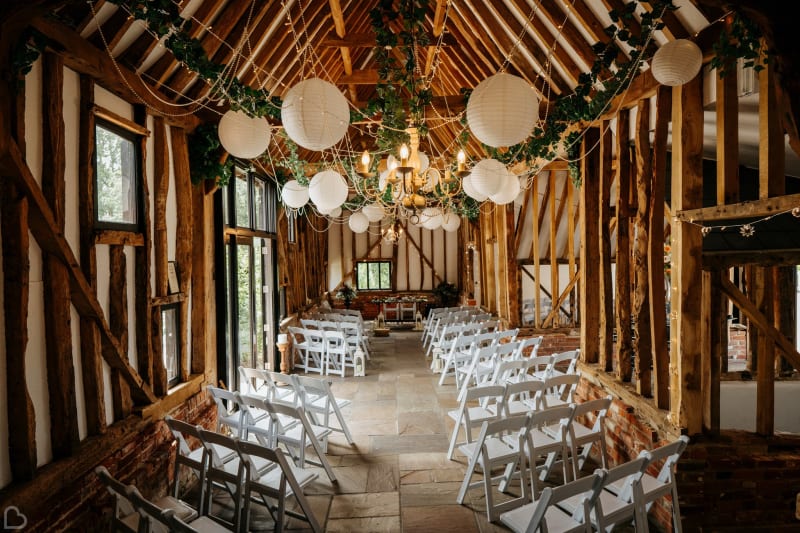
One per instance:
(590, 238)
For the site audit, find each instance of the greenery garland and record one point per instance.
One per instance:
(205, 156)
(397, 81)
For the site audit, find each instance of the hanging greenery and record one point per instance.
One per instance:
(205, 156)
(26, 51)
(743, 41)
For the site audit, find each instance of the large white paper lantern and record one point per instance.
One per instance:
(328, 190)
(508, 192)
(488, 176)
(335, 213)
(243, 136)
(373, 212)
(294, 195)
(450, 221)
(677, 62)
(502, 110)
(469, 189)
(315, 114)
(431, 218)
(359, 223)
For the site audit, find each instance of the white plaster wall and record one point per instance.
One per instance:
(738, 406)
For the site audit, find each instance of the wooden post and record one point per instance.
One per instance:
(657, 285)
(118, 322)
(714, 346)
(160, 190)
(786, 310)
(183, 239)
(509, 251)
(590, 224)
(606, 289)
(641, 295)
(537, 288)
(623, 300)
(686, 400)
(58, 334)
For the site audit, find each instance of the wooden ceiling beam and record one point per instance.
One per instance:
(344, 50)
(367, 40)
(569, 32)
(592, 25)
(204, 18)
(111, 31)
(673, 27)
(84, 58)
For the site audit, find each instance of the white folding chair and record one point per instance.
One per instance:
(228, 415)
(611, 509)
(521, 397)
(299, 344)
(272, 487)
(559, 390)
(320, 403)
(538, 367)
(220, 474)
(548, 439)
(663, 483)
(564, 363)
(315, 349)
(473, 410)
(458, 354)
(588, 426)
(156, 519)
(501, 443)
(298, 436)
(529, 347)
(482, 367)
(544, 514)
(125, 518)
(337, 353)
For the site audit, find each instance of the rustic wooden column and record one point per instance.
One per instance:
(658, 312)
(727, 108)
(160, 190)
(590, 246)
(641, 294)
(714, 326)
(183, 239)
(57, 313)
(623, 300)
(91, 358)
(772, 182)
(502, 271)
(537, 284)
(606, 288)
(143, 255)
(686, 400)
(511, 267)
(786, 311)
(118, 322)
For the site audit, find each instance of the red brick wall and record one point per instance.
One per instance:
(145, 459)
(737, 343)
(556, 343)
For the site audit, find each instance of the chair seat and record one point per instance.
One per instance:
(205, 524)
(224, 453)
(498, 449)
(543, 441)
(182, 509)
(476, 414)
(557, 520)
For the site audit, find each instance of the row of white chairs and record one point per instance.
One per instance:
(247, 471)
(327, 347)
(459, 343)
(432, 330)
(607, 497)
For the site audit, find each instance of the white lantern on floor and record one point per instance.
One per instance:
(469, 189)
(315, 114)
(488, 176)
(242, 135)
(359, 223)
(294, 195)
(450, 221)
(508, 192)
(374, 212)
(502, 110)
(328, 190)
(677, 62)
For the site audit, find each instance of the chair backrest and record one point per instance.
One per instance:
(554, 416)
(180, 430)
(225, 399)
(264, 433)
(505, 335)
(588, 488)
(123, 504)
(253, 381)
(484, 395)
(152, 518)
(529, 389)
(598, 407)
(529, 346)
(669, 454)
(562, 386)
(566, 361)
(507, 372)
(631, 472)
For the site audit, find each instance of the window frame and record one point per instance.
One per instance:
(374, 261)
(135, 139)
(177, 309)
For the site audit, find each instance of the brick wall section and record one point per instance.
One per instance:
(145, 459)
(735, 482)
(737, 343)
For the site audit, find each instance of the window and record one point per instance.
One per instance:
(374, 275)
(170, 342)
(117, 177)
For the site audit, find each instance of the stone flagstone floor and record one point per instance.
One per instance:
(396, 477)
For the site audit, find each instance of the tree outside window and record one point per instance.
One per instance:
(117, 177)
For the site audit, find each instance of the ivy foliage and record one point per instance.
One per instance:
(205, 156)
(26, 51)
(743, 41)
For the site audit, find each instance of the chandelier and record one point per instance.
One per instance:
(409, 186)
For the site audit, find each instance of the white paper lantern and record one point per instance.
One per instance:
(294, 195)
(450, 221)
(328, 190)
(677, 62)
(315, 114)
(488, 176)
(508, 191)
(243, 136)
(374, 212)
(502, 110)
(336, 213)
(424, 162)
(383, 180)
(469, 189)
(359, 223)
(431, 218)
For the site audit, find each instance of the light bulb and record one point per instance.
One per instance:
(461, 158)
(404, 155)
(365, 159)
